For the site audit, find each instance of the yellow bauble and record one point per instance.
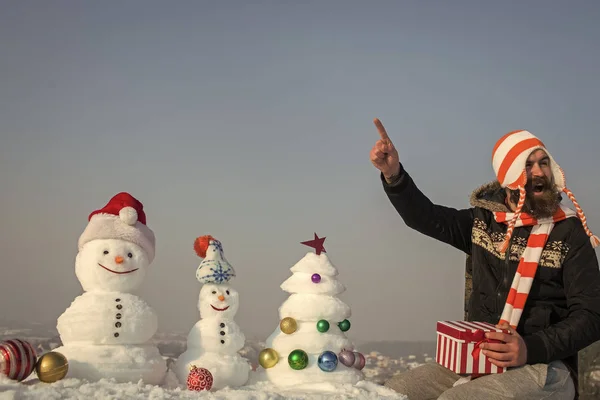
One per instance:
(51, 367)
(268, 358)
(288, 325)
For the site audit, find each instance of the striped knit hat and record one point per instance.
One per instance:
(509, 159)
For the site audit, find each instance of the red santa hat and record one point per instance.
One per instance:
(121, 218)
(509, 160)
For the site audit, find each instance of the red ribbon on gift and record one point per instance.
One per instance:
(477, 336)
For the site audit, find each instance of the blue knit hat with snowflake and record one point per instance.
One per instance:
(214, 268)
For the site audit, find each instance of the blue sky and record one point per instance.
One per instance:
(253, 123)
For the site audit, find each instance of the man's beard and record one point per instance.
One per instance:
(540, 206)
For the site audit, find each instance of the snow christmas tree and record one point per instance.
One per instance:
(310, 345)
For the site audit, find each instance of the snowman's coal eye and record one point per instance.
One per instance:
(105, 251)
(129, 255)
(214, 292)
(227, 291)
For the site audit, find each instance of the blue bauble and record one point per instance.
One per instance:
(327, 361)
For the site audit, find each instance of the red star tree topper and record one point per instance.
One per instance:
(316, 243)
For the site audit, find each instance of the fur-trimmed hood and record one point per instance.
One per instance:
(489, 196)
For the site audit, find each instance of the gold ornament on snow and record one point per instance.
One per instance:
(51, 367)
(288, 325)
(268, 358)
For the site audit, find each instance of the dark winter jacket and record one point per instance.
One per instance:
(562, 312)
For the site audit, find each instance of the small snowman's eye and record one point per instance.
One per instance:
(214, 292)
(105, 251)
(227, 291)
(129, 255)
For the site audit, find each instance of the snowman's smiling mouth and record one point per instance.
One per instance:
(117, 272)
(219, 309)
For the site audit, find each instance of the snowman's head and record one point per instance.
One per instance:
(218, 300)
(111, 265)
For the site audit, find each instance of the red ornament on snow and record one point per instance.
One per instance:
(316, 243)
(17, 359)
(199, 379)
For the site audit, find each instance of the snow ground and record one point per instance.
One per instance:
(258, 388)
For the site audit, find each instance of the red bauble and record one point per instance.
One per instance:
(199, 379)
(17, 359)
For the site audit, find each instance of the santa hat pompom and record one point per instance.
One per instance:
(128, 215)
(201, 245)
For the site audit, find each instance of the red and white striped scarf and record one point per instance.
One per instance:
(519, 290)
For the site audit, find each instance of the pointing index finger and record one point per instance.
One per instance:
(381, 129)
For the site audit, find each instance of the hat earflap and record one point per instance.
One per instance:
(593, 238)
(503, 246)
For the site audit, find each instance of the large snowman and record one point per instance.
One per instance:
(215, 340)
(106, 331)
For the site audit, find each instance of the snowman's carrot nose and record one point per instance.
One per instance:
(119, 259)
(221, 297)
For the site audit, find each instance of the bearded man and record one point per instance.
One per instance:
(534, 267)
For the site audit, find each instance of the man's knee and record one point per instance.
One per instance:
(399, 382)
(423, 381)
(539, 381)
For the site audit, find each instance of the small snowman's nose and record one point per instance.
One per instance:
(221, 297)
(119, 259)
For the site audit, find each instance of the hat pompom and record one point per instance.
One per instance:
(201, 245)
(128, 215)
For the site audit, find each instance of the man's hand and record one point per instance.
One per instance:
(384, 155)
(511, 353)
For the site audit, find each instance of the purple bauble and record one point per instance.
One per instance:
(316, 278)
(347, 358)
(359, 362)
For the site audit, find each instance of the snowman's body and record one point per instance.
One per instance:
(107, 318)
(106, 331)
(215, 340)
(122, 362)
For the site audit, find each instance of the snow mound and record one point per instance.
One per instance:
(258, 388)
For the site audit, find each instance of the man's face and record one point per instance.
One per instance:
(542, 197)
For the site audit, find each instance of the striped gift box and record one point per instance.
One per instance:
(457, 342)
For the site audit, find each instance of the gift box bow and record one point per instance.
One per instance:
(478, 336)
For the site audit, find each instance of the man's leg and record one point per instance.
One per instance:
(425, 382)
(530, 382)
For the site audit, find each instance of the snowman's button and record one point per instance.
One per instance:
(116, 334)
(222, 325)
(119, 306)
(222, 333)
(222, 341)
(118, 316)
(117, 300)
(118, 324)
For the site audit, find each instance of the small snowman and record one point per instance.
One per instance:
(215, 340)
(106, 331)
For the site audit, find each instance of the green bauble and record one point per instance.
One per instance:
(322, 325)
(344, 325)
(298, 359)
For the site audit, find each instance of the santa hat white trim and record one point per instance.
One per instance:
(108, 226)
(119, 220)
